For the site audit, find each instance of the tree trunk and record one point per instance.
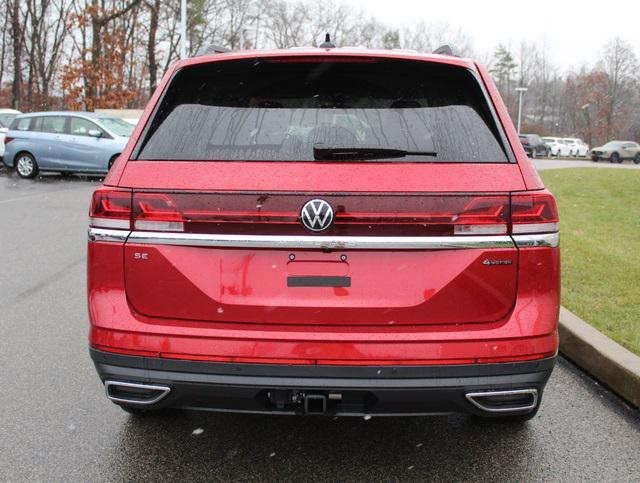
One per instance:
(16, 29)
(96, 49)
(151, 46)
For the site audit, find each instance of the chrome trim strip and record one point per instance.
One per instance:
(471, 397)
(164, 390)
(105, 235)
(551, 240)
(322, 242)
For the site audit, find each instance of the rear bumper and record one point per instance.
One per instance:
(322, 389)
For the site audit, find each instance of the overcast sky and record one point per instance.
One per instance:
(574, 30)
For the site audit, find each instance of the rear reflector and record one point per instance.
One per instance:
(480, 229)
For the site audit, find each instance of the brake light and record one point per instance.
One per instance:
(299, 59)
(7, 140)
(280, 215)
(434, 215)
(534, 213)
(156, 211)
(110, 208)
(485, 215)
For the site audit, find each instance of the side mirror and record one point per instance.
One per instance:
(95, 133)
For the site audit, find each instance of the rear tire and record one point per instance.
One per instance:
(533, 154)
(26, 165)
(636, 159)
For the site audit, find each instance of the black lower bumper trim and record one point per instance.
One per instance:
(343, 390)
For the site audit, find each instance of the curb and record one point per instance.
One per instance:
(600, 356)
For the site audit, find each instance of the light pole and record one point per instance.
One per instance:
(585, 109)
(520, 91)
(183, 29)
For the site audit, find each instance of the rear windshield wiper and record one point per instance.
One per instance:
(326, 152)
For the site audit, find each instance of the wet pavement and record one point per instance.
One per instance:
(56, 424)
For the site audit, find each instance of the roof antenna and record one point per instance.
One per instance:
(327, 44)
(444, 50)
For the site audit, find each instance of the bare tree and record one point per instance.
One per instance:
(100, 16)
(620, 64)
(111, 53)
(45, 36)
(331, 17)
(154, 15)
(18, 20)
(100, 45)
(543, 73)
(4, 42)
(285, 22)
(427, 37)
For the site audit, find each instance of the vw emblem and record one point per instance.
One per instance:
(316, 215)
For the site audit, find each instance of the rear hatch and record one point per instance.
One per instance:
(322, 190)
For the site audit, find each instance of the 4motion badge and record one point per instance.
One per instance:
(497, 262)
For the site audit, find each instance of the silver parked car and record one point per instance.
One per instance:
(67, 142)
(617, 151)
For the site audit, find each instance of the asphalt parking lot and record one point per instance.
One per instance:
(56, 424)
(553, 163)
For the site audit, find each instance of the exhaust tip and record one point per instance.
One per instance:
(135, 393)
(515, 400)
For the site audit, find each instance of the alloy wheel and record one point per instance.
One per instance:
(25, 166)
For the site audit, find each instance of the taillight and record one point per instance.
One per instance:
(484, 215)
(262, 214)
(534, 213)
(7, 140)
(430, 215)
(157, 212)
(110, 208)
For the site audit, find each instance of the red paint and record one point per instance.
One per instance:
(322, 178)
(411, 307)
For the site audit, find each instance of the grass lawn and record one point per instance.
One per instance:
(600, 240)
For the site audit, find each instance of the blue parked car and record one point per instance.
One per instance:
(67, 142)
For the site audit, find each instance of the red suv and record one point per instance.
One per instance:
(325, 231)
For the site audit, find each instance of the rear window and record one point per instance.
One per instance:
(21, 124)
(118, 126)
(5, 119)
(279, 109)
